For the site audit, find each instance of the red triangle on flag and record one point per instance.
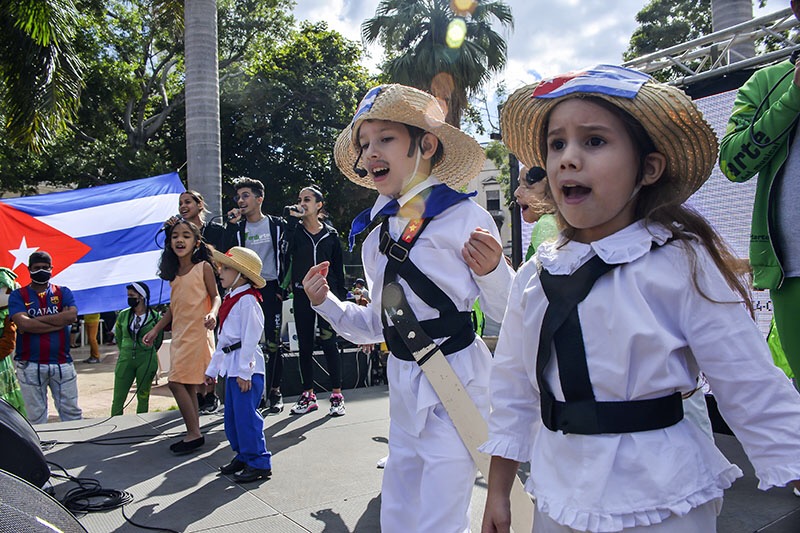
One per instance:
(21, 235)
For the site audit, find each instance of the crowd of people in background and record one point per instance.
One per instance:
(609, 164)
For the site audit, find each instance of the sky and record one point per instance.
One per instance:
(550, 36)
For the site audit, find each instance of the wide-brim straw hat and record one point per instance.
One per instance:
(462, 159)
(673, 122)
(242, 260)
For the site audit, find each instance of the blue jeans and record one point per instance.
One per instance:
(34, 379)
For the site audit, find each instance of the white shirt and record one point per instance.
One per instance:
(647, 330)
(437, 253)
(244, 323)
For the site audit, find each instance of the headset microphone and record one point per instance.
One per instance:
(360, 172)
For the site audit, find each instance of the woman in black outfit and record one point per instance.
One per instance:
(310, 240)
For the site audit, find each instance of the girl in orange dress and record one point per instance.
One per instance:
(194, 301)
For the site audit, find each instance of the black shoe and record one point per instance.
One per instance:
(231, 468)
(184, 447)
(250, 474)
(201, 402)
(275, 402)
(210, 403)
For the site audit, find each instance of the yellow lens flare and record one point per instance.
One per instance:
(456, 33)
(463, 6)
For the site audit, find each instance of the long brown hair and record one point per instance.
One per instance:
(657, 204)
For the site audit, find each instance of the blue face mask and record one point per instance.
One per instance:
(41, 276)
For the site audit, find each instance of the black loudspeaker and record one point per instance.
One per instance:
(27, 509)
(20, 451)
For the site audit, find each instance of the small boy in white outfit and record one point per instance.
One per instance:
(238, 358)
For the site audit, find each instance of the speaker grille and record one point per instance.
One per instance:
(25, 508)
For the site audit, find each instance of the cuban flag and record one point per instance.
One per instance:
(610, 80)
(101, 238)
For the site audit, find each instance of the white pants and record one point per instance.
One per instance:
(428, 479)
(702, 519)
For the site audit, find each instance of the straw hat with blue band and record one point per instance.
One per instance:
(673, 122)
(242, 260)
(463, 157)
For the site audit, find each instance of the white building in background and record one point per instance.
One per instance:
(492, 197)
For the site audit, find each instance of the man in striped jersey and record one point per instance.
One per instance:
(43, 314)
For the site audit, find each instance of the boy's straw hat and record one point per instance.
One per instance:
(462, 159)
(242, 260)
(671, 119)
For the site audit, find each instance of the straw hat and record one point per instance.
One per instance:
(462, 159)
(673, 122)
(242, 260)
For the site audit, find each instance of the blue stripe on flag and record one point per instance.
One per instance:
(115, 297)
(123, 242)
(43, 204)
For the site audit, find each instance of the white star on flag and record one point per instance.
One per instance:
(22, 253)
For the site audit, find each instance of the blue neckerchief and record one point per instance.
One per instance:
(440, 198)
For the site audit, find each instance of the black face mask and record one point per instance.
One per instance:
(133, 302)
(41, 276)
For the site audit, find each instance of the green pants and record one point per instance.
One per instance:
(142, 367)
(786, 303)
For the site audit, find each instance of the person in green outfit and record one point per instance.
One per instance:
(9, 386)
(137, 361)
(533, 200)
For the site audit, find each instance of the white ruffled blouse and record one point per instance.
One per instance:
(647, 332)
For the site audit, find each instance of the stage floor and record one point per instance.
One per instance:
(324, 474)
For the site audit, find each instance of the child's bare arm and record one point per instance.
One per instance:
(210, 320)
(497, 513)
(482, 252)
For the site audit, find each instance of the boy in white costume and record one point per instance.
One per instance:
(412, 157)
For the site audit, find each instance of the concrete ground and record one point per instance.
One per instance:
(325, 478)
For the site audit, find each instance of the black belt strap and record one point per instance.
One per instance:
(451, 323)
(232, 347)
(580, 412)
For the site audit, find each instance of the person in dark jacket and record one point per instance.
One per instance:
(310, 239)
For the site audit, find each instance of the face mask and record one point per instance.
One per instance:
(133, 302)
(41, 276)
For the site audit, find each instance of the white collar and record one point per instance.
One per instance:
(562, 257)
(382, 200)
(238, 289)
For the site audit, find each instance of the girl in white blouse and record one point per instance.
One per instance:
(608, 327)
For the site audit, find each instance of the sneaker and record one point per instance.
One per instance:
(305, 404)
(337, 405)
(210, 403)
(92, 360)
(382, 462)
(275, 401)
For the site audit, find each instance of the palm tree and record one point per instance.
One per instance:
(203, 153)
(415, 35)
(40, 72)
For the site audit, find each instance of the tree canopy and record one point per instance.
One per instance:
(287, 89)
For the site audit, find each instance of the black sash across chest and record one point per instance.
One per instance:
(580, 412)
(454, 324)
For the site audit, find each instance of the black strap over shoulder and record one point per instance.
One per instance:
(452, 323)
(580, 412)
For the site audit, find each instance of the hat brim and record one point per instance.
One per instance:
(463, 158)
(673, 122)
(255, 277)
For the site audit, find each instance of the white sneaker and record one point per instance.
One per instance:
(796, 492)
(382, 462)
(337, 405)
(305, 404)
